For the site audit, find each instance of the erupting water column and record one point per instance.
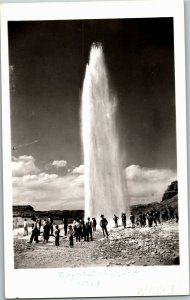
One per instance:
(105, 183)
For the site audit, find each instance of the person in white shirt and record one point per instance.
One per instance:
(25, 227)
(77, 229)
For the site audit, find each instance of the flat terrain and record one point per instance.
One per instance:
(158, 245)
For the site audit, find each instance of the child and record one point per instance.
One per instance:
(70, 233)
(57, 232)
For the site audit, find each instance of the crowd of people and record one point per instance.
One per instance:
(79, 229)
(150, 218)
(83, 230)
(154, 217)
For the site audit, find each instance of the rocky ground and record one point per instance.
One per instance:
(158, 245)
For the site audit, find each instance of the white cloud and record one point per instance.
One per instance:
(24, 165)
(52, 191)
(59, 163)
(49, 191)
(147, 185)
(78, 170)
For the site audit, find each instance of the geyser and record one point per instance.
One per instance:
(105, 182)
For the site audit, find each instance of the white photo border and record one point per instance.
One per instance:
(99, 281)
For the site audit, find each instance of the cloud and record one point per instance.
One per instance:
(59, 163)
(78, 170)
(147, 185)
(46, 191)
(24, 165)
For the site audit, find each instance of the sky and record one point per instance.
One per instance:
(47, 66)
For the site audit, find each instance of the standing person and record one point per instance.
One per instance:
(34, 234)
(89, 225)
(86, 230)
(44, 223)
(144, 219)
(77, 229)
(171, 211)
(115, 218)
(71, 234)
(154, 217)
(149, 218)
(25, 227)
(94, 223)
(46, 232)
(132, 219)
(123, 217)
(57, 234)
(65, 222)
(103, 224)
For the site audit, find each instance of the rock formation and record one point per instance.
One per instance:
(171, 191)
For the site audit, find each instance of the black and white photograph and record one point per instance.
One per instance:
(93, 137)
(93, 143)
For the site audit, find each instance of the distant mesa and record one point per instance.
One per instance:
(171, 191)
(27, 211)
(23, 209)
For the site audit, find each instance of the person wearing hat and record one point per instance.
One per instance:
(103, 224)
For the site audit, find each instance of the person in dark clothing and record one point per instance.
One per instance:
(71, 236)
(132, 219)
(86, 230)
(144, 220)
(94, 223)
(57, 233)
(65, 222)
(149, 218)
(115, 218)
(89, 227)
(46, 232)
(34, 234)
(103, 224)
(123, 218)
(171, 211)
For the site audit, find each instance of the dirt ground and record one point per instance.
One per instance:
(158, 245)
